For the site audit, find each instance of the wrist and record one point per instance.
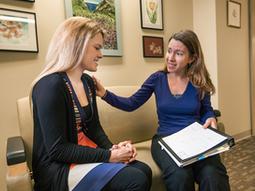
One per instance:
(104, 94)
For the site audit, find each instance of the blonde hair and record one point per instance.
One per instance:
(196, 71)
(68, 44)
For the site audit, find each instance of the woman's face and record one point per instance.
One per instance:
(93, 53)
(177, 57)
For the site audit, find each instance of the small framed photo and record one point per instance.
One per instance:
(234, 14)
(18, 31)
(151, 14)
(153, 47)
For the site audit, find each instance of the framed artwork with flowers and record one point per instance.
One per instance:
(153, 47)
(151, 14)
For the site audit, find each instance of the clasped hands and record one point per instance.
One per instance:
(123, 152)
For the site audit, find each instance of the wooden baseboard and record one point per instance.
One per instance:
(241, 136)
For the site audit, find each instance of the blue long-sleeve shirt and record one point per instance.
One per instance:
(174, 113)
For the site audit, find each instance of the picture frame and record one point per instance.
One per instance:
(18, 31)
(110, 22)
(31, 1)
(234, 14)
(151, 14)
(153, 47)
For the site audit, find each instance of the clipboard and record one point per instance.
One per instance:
(194, 143)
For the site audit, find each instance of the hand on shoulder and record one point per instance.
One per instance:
(100, 90)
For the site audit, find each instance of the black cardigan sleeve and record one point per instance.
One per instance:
(55, 137)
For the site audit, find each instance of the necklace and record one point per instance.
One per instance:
(77, 106)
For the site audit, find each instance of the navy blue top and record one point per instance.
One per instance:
(174, 113)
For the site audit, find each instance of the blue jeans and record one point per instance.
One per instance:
(210, 173)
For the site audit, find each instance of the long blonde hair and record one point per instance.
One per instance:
(196, 71)
(68, 44)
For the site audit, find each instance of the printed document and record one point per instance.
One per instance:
(193, 140)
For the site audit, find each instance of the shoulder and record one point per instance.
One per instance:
(156, 76)
(90, 82)
(159, 74)
(87, 78)
(51, 82)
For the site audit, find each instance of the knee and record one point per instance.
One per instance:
(214, 179)
(142, 180)
(143, 168)
(147, 171)
(183, 176)
(212, 173)
(179, 176)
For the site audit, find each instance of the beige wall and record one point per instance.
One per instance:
(204, 19)
(225, 49)
(233, 71)
(17, 70)
(252, 68)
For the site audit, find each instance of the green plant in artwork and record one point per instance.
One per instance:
(103, 11)
(152, 9)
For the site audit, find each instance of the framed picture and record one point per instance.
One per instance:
(151, 14)
(18, 31)
(27, 0)
(107, 14)
(234, 14)
(153, 46)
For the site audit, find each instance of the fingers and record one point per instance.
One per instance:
(100, 90)
(210, 122)
(124, 143)
(123, 152)
(214, 124)
(207, 123)
(94, 78)
(114, 147)
(127, 154)
(134, 152)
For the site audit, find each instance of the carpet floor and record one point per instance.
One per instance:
(240, 164)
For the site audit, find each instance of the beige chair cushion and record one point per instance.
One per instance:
(144, 154)
(119, 125)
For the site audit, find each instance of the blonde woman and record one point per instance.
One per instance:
(71, 151)
(182, 91)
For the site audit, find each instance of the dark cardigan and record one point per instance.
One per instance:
(55, 135)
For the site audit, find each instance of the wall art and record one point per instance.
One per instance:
(234, 14)
(18, 31)
(151, 14)
(153, 46)
(107, 14)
